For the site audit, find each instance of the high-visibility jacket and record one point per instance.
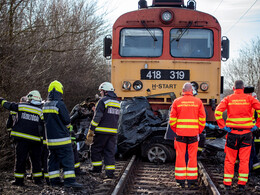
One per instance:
(187, 116)
(106, 115)
(239, 111)
(57, 121)
(29, 118)
(11, 120)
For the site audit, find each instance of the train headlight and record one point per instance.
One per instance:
(204, 86)
(137, 85)
(126, 85)
(166, 16)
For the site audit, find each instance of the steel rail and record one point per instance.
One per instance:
(125, 176)
(207, 180)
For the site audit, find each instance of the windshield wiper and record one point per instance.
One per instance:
(152, 35)
(183, 32)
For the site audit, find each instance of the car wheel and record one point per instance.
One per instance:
(159, 153)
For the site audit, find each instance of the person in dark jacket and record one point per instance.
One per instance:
(103, 131)
(254, 164)
(26, 134)
(57, 124)
(13, 116)
(80, 117)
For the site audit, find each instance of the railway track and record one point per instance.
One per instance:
(148, 178)
(137, 177)
(215, 169)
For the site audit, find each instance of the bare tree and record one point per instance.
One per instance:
(246, 67)
(41, 41)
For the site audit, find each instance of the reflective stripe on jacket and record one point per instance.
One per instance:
(105, 119)
(57, 119)
(239, 111)
(187, 116)
(29, 119)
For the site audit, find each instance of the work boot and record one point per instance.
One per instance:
(182, 185)
(192, 183)
(47, 181)
(38, 181)
(80, 172)
(95, 171)
(57, 184)
(109, 176)
(17, 183)
(241, 187)
(73, 185)
(227, 187)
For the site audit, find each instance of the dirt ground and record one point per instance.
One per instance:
(89, 181)
(91, 184)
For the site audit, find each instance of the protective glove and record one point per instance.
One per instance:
(73, 138)
(254, 128)
(210, 126)
(70, 128)
(90, 136)
(227, 129)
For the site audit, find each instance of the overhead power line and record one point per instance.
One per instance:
(218, 6)
(241, 17)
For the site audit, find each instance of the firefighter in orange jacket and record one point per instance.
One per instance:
(187, 120)
(239, 125)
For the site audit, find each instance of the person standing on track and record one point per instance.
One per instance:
(187, 120)
(239, 126)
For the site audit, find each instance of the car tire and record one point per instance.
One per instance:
(159, 153)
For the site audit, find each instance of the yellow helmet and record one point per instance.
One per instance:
(34, 95)
(56, 85)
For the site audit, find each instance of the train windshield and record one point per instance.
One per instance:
(142, 42)
(191, 43)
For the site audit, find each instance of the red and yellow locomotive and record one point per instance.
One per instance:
(156, 49)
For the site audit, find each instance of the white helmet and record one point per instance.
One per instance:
(34, 95)
(106, 86)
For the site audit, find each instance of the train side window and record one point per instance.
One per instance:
(191, 43)
(141, 42)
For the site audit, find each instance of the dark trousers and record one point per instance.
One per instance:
(61, 156)
(76, 158)
(24, 148)
(253, 162)
(45, 154)
(257, 147)
(104, 145)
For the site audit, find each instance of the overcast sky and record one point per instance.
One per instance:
(239, 19)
